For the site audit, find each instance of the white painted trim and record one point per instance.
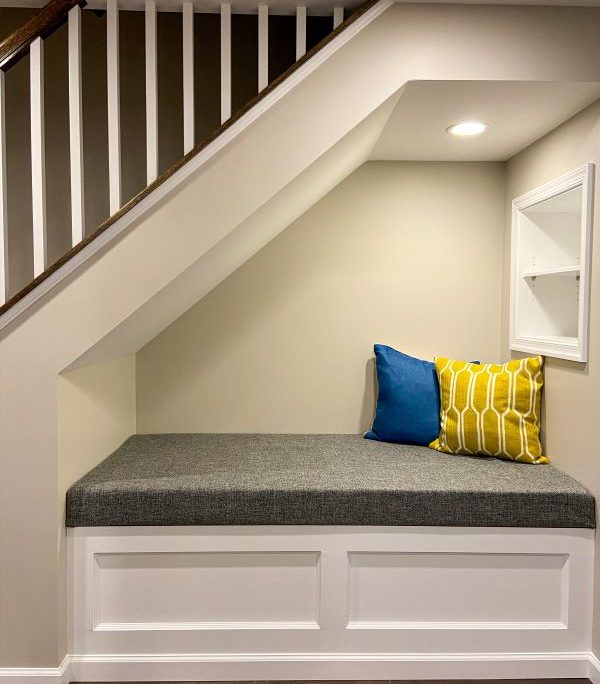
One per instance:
(140, 667)
(38, 156)
(118, 667)
(225, 62)
(37, 675)
(538, 538)
(573, 349)
(346, 618)
(594, 669)
(300, 32)
(338, 16)
(3, 196)
(193, 165)
(188, 77)
(195, 626)
(151, 92)
(263, 47)
(76, 127)
(113, 100)
(456, 625)
(143, 667)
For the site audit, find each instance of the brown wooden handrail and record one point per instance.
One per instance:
(190, 155)
(42, 24)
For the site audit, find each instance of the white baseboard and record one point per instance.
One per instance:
(333, 666)
(340, 666)
(594, 669)
(37, 675)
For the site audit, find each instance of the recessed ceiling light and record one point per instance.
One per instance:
(468, 128)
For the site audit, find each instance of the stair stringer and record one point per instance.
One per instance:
(128, 280)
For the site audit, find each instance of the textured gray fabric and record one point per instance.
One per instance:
(234, 479)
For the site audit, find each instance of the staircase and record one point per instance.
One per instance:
(136, 90)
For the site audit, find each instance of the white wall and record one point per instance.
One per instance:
(96, 414)
(408, 254)
(572, 389)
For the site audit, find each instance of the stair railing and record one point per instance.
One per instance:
(29, 39)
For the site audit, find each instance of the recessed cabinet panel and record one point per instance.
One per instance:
(206, 590)
(402, 590)
(551, 235)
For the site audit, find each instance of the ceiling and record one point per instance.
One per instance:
(518, 113)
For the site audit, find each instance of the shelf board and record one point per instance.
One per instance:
(556, 271)
(565, 340)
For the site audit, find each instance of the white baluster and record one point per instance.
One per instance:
(263, 47)
(38, 156)
(76, 127)
(188, 77)
(225, 62)
(300, 32)
(114, 123)
(3, 205)
(338, 16)
(151, 93)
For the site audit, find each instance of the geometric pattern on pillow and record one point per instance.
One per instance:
(491, 409)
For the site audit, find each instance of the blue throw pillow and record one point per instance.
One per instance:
(408, 405)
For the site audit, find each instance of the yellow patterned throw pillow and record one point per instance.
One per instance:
(491, 410)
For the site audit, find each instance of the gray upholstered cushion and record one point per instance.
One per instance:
(233, 479)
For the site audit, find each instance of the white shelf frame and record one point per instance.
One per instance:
(570, 348)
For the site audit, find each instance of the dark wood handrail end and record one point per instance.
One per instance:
(41, 25)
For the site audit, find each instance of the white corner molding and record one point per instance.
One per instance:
(594, 669)
(182, 174)
(550, 267)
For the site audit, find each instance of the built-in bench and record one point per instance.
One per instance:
(203, 557)
(257, 479)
